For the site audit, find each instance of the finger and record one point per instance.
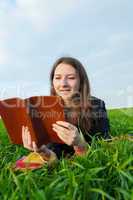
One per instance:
(28, 138)
(34, 146)
(61, 129)
(65, 124)
(23, 132)
(24, 135)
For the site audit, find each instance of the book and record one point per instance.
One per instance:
(38, 113)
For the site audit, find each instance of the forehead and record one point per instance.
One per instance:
(63, 68)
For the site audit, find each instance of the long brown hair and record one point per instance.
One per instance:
(83, 95)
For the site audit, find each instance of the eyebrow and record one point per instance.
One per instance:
(67, 74)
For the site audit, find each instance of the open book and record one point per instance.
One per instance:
(38, 113)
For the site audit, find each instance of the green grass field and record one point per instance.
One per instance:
(106, 172)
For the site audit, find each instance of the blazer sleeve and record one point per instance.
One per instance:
(103, 122)
(99, 119)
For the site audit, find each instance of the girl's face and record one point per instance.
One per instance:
(66, 81)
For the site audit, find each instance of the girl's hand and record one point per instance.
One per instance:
(67, 132)
(26, 138)
(47, 155)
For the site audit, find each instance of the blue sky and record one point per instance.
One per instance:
(34, 33)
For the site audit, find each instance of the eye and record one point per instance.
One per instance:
(57, 78)
(72, 77)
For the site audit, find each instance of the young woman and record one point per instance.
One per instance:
(86, 115)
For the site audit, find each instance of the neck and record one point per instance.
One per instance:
(67, 102)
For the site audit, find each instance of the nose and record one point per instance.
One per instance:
(64, 82)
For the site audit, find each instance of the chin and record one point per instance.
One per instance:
(66, 97)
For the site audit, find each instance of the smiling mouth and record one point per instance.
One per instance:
(64, 90)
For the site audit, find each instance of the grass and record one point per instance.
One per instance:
(106, 172)
(121, 121)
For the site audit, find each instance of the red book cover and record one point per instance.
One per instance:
(38, 113)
